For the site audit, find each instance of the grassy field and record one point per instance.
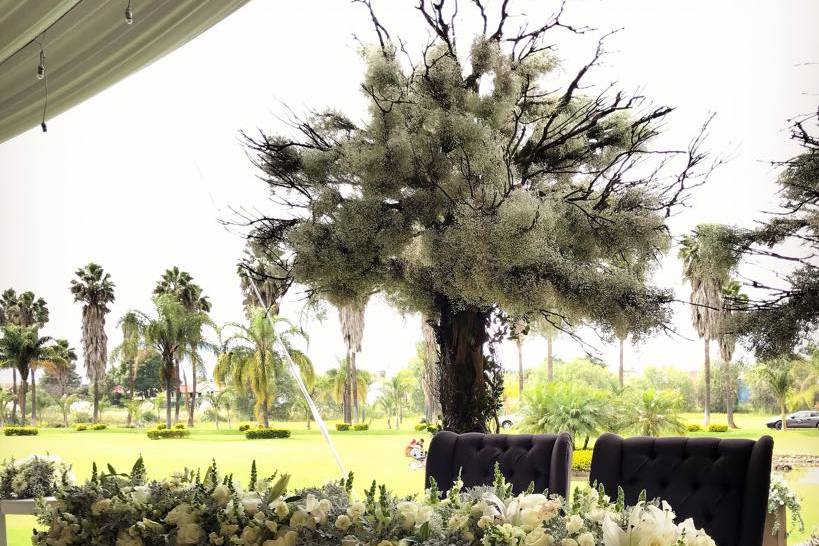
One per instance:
(376, 454)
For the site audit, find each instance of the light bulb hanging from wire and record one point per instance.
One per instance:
(129, 14)
(41, 67)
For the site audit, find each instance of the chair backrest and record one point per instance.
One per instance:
(544, 459)
(721, 484)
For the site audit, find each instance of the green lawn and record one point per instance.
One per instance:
(375, 454)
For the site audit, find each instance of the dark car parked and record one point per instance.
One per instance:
(800, 419)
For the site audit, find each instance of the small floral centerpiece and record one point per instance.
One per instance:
(34, 477)
(781, 495)
(194, 508)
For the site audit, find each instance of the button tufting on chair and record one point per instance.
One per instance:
(721, 484)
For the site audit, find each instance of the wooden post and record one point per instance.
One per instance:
(781, 536)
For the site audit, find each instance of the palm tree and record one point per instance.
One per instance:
(733, 301)
(64, 402)
(388, 402)
(20, 346)
(168, 333)
(556, 407)
(218, 400)
(395, 389)
(180, 284)
(131, 351)
(263, 266)
(253, 361)
(93, 287)
(351, 317)
(338, 381)
(23, 310)
(777, 375)
(57, 359)
(655, 412)
(706, 280)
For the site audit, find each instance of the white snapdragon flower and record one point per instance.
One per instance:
(221, 494)
(343, 522)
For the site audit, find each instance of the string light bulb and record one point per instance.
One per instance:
(129, 14)
(44, 127)
(41, 66)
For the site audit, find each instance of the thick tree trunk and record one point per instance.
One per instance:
(467, 401)
(33, 380)
(168, 387)
(21, 399)
(96, 416)
(707, 369)
(730, 394)
(354, 387)
(621, 362)
(550, 363)
(348, 413)
(178, 393)
(519, 344)
(265, 414)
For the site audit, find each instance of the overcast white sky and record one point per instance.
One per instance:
(138, 177)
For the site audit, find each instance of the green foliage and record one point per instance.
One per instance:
(693, 427)
(342, 427)
(266, 433)
(361, 426)
(427, 427)
(581, 460)
(21, 431)
(556, 407)
(668, 378)
(179, 426)
(161, 426)
(162, 434)
(99, 426)
(582, 371)
(716, 427)
(244, 426)
(653, 413)
(80, 427)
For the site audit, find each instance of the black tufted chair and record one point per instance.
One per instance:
(721, 484)
(544, 459)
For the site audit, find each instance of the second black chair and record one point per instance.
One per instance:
(721, 484)
(544, 459)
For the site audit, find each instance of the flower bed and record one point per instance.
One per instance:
(36, 476)
(21, 431)
(581, 460)
(193, 508)
(266, 433)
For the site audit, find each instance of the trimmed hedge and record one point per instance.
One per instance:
(99, 426)
(164, 434)
(244, 427)
(693, 427)
(266, 433)
(161, 426)
(21, 431)
(717, 428)
(179, 426)
(341, 427)
(81, 427)
(361, 426)
(581, 460)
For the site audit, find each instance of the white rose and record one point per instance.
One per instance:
(280, 508)
(251, 504)
(585, 539)
(125, 539)
(574, 523)
(189, 533)
(538, 537)
(221, 494)
(181, 515)
(408, 511)
(356, 509)
(530, 518)
(343, 522)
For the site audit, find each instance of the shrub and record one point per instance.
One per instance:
(341, 427)
(81, 427)
(161, 426)
(21, 431)
(428, 427)
(99, 426)
(420, 427)
(149, 417)
(693, 427)
(164, 433)
(265, 433)
(243, 427)
(717, 428)
(81, 417)
(57, 425)
(361, 426)
(581, 460)
(179, 426)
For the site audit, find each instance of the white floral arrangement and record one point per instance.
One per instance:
(34, 477)
(189, 508)
(781, 495)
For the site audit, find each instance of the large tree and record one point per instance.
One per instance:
(22, 348)
(95, 290)
(252, 360)
(131, 352)
(477, 186)
(262, 268)
(706, 267)
(179, 284)
(734, 302)
(23, 310)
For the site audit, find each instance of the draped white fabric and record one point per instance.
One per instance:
(88, 46)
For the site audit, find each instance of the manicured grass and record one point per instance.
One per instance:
(376, 454)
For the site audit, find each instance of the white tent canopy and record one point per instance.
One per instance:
(87, 47)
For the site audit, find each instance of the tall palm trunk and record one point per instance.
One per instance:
(132, 388)
(96, 417)
(15, 393)
(519, 344)
(354, 387)
(550, 364)
(348, 413)
(192, 395)
(33, 396)
(178, 393)
(168, 387)
(782, 412)
(707, 369)
(621, 362)
(21, 399)
(730, 394)
(266, 413)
